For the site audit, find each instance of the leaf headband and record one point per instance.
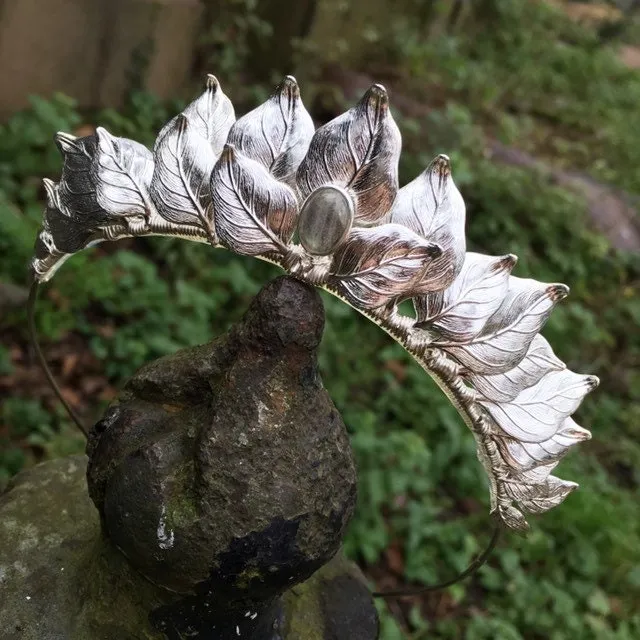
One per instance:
(324, 205)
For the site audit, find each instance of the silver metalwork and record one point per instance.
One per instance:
(241, 185)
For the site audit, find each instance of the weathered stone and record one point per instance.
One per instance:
(61, 579)
(222, 477)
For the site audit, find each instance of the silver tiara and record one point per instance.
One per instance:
(324, 204)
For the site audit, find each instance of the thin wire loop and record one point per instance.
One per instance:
(470, 570)
(33, 335)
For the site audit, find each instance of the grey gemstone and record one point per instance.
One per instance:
(325, 220)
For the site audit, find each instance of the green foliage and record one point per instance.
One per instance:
(547, 85)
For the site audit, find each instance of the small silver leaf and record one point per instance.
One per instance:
(77, 186)
(432, 206)
(358, 151)
(180, 185)
(210, 116)
(504, 387)
(459, 313)
(506, 337)
(66, 233)
(523, 456)
(512, 518)
(537, 413)
(376, 266)
(255, 214)
(534, 476)
(122, 171)
(542, 497)
(277, 133)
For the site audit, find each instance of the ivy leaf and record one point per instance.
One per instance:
(122, 173)
(210, 116)
(255, 214)
(77, 190)
(537, 413)
(460, 312)
(432, 206)
(376, 266)
(527, 455)
(277, 133)
(538, 498)
(506, 337)
(358, 151)
(503, 387)
(180, 186)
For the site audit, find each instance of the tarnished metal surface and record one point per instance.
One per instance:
(241, 185)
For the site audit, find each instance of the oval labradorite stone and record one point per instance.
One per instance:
(325, 220)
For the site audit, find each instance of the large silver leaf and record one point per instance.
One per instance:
(539, 497)
(180, 185)
(460, 312)
(527, 455)
(506, 337)
(504, 387)
(254, 213)
(210, 116)
(122, 172)
(359, 151)
(432, 206)
(537, 413)
(376, 266)
(277, 133)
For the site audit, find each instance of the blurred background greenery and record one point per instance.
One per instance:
(538, 105)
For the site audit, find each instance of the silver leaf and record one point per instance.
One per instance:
(503, 387)
(512, 518)
(67, 233)
(180, 185)
(538, 412)
(277, 133)
(432, 206)
(77, 185)
(527, 455)
(61, 235)
(376, 266)
(506, 337)
(255, 214)
(539, 498)
(534, 476)
(358, 151)
(210, 116)
(460, 312)
(122, 172)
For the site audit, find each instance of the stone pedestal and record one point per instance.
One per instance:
(222, 478)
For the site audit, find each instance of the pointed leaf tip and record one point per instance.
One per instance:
(228, 151)
(558, 292)
(377, 91)
(441, 166)
(592, 382)
(212, 84)
(64, 141)
(50, 188)
(507, 263)
(289, 85)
